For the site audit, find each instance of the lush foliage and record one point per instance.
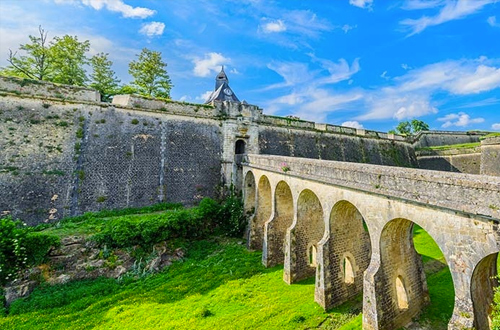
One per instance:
(68, 58)
(150, 74)
(410, 127)
(21, 247)
(208, 218)
(61, 60)
(103, 77)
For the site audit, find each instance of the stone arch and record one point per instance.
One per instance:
(239, 147)
(401, 278)
(307, 231)
(348, 244)
(276, 227)
(262, 213)
(484, 281)
(249, 193)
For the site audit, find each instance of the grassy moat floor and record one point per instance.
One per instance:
(219, 285)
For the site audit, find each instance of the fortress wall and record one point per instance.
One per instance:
(333, 146)
(463, 160)
(441, 138)
(45, 89)
(59, 158)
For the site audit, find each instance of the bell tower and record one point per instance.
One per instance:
(222, 90)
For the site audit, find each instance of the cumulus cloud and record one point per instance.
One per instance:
(353, 124)
(117, 6)
(152, 29)
(451, 10)
(362, 3)
(211, 63)
(410, 95)
(460, 119)
(273, 26)
(496, 126)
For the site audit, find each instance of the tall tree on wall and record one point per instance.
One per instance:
(150, 74)
(103, 77)
(35, 64)
(408, 128)
(68, 59)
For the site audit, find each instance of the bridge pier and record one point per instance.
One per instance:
(343, 256)
(302, 239)
(275, 229)
(262, 214)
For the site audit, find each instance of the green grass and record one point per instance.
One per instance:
(228, 289)
(451, 146)
(219, 285)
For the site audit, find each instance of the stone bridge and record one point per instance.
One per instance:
(351, 226)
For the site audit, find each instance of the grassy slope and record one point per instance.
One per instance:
(229, 289)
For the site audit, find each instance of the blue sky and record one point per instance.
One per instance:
(362, 63)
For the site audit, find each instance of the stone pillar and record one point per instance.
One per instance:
(490, 156)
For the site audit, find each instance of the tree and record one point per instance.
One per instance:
(408, 128)
(150, 74)
(103, 78)
(68, 59)
(419, 125)
(35, 64)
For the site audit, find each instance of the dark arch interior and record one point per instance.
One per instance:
(239, 147)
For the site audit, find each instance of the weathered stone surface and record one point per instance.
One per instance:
(454, 208)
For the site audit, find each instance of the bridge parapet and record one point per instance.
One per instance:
(467, 193)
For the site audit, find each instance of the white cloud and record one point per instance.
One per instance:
(384, 75)
(273, 26)
(211, 63)
(346, 28)
(492, 21)
(421, 4)
(353, 124)
(361, 3)
(204, 96)
(410, 95)
(452, 10)
(118, 6)
(234, 71)
(152, 29)
(496, 126)
(405, 66)
(460, 119)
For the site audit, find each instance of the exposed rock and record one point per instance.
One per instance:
(18, 289)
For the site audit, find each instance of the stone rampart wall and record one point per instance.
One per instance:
(47, 90)
(59, 158)
(441, 138)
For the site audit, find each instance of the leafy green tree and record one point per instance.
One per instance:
(68, 59)
(408, 128)
(419, 125)
(103, 78)
(36, 62)
(150, 74)
(404, 128)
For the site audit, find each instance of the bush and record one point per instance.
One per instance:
(12, 252)
(496, 310)
(20, 247)
(209, 217)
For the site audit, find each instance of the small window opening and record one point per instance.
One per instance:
(239, 148)
(312, 256)
(401, 293)
(348, 271)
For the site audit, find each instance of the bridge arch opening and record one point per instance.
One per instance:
(281, 221)
(346, 255)
(262, 213)
(307, 233)
(483, 284)
(249, 193)
(414, 274)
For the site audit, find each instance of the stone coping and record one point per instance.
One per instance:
(468, 193)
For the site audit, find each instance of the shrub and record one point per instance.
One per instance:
(209, 217)
(38, 245)
(20, 247)
(495, 325)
